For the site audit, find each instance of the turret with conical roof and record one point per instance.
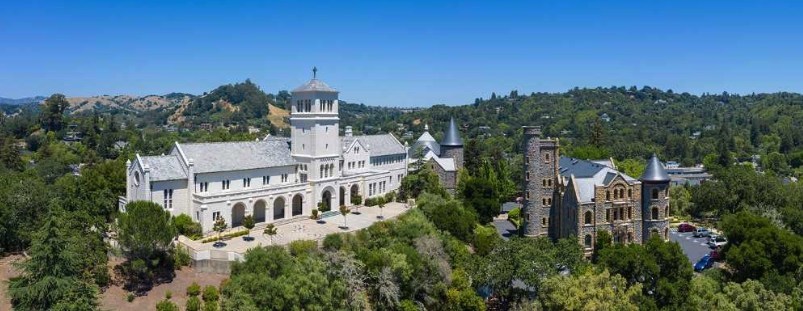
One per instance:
(654, 172)
(452, 144)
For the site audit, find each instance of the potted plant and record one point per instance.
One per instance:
(344, 211)
(220, 226)
(248, 223)
(270, 230)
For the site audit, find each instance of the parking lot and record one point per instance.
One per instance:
(694, 248)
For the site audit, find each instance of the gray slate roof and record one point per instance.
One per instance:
(452, 136)
(235, 156)
(314, 85)
(426, 141)
(655, 171)
(378, 145)
(587, 175)
(166, 167)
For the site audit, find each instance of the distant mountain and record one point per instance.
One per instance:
(21, 101)
(127, 102)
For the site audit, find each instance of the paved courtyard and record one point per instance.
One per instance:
(305, 229)
(694, 248)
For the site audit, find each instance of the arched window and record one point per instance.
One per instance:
(655, 193)
(136, 179)
(549, 182)
(588, 217)
(630, 193)
(607, 195)
(654, 213)
(543, 183)
(615, 194)
(587, 241)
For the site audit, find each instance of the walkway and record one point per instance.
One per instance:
(305, 229)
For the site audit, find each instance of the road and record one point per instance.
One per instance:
(694, 248)
(505, 228)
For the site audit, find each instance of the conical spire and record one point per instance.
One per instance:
(452, 137)
(654, 172)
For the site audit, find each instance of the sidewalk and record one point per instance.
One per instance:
(304, 229)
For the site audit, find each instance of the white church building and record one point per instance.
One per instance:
(275, 179)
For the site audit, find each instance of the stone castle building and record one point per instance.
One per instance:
(276, 179)
(571, 197)
(445, 158)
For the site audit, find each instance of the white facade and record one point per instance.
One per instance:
(275, 179)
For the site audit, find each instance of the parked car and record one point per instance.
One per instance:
(704, 263)
(715, 255)
(701, 232)
(685, 227)
(717, 241)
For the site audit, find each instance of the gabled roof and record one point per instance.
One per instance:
(235, 156)
(447, 164)
(314, 85)
(377, 145)
(452, 136)
(165, 167)
(655, 171)
(587, 175)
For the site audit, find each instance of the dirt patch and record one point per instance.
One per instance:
(277, 116)
(115, 297)
(7, 271)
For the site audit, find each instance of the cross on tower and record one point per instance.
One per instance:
(314, 72)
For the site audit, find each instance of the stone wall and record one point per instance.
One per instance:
(454, 152)
(660, 225)
(540, 182)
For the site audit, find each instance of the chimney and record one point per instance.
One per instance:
(348, 131)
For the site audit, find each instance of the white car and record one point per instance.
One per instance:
(717, 241)
(701, 232)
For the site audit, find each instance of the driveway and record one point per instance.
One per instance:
(505, 228)
(694, 248)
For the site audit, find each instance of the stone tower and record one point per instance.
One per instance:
(452, 145)
(314, 130)
(655, 200)
(540, 181)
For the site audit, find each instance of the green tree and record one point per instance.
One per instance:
(270, 230)
(54, 277)
(53, 112)
(481, 196)
(590, 291)
(145, 232)
(345, 211)
(248, 223)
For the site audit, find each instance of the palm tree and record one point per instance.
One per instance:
(344, 211)
(270, 230)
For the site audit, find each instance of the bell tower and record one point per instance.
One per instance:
(314, 129)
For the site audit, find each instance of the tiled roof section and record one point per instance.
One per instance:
(425, 142)
(378, 145)
(314, 85)
(588, 174)
(446, 163)
(166, 167)
(655, 171)
(235, 156)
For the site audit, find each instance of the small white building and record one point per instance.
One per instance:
(275, 179)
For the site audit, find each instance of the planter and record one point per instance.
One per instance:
(248, 238)
(321, 221)
(218, 244)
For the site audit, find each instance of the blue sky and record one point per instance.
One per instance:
(406, 53)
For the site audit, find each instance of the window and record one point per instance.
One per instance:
(215, 216)
(608, 215)
(265, 180)
(615, 214)
(168, 198)
(607, 195)
(654, 194)
(284, 177)
(247, 182)
(588, 217)
(546, 157)
(543, 201)
(587, 241)
(528, 195)
(549, 182)
(204, 187)
(225, 184)
(654, 213)
(543, 182)
(630, 213)
(630, 193)
(136, 179)
(543, 222)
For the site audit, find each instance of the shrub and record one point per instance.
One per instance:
(194, 289)
(210, 294)
(213, 306)
(181, 257)
(333, 242)
(225, 236)
(303, 247)
(193, 304)
(130, 297)
(186, 226)
(168, 295)
(356, 199)
(390, 197)
(166, 305)
(515, 216)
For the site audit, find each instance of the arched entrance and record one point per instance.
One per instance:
(237, 214)
(326, 198)
(342, 196)
(278, 208)
(297, 209)
(259, 211)
(355, 191)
